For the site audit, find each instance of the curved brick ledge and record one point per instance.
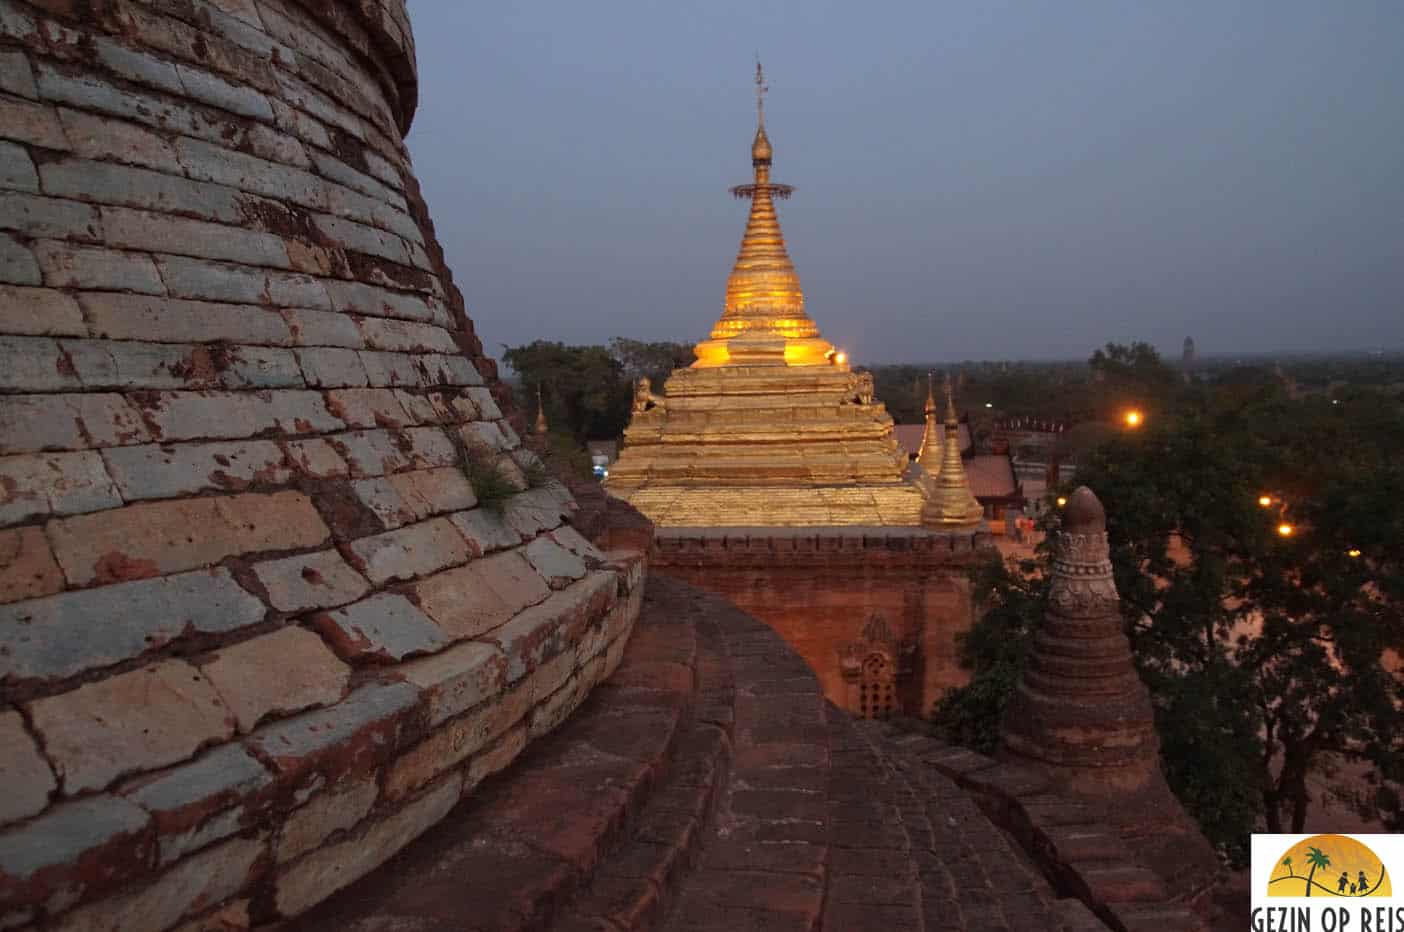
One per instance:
(707, 786)
(1082, 856)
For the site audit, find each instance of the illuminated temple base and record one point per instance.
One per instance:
(766, 446)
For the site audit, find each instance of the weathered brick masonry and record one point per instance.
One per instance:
(256, 631)
(846, 599)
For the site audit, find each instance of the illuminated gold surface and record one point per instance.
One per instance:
(930, 454)
(769, 427)
(763, 319)
(950, 502)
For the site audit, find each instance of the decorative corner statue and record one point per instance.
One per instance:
(866, 391)
(644, 398)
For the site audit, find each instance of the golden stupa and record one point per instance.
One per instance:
(929, 457)
(770, 426)
(949, 501)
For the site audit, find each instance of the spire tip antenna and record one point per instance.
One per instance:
(761, 88)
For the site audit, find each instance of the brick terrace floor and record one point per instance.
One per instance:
(706, 787)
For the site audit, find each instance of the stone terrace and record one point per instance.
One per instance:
(707, 787)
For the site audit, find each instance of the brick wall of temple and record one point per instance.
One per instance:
(840, 595)
(256, 629)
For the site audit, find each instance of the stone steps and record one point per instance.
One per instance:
(639, 880)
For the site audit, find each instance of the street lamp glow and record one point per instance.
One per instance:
(1062, 501)
(1285, 530)
(989, 404)
(1265, 501)
(1133, 418)
(1353, 553)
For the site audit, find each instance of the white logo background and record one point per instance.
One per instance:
(1325, 912)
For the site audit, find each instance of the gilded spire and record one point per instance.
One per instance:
(950, 502)
(763, 295)
(930, 454)
(541, 427)
(760, 146)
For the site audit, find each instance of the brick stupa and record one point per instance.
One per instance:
(1082, 715)
(257, 630)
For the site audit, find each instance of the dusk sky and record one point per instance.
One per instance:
(976, 180)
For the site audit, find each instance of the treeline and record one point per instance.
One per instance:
(588, 390)
(1255, 540)
(1065, 392)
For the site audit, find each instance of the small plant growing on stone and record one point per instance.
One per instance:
(490, 484)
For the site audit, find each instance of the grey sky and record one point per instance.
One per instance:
(975, 179)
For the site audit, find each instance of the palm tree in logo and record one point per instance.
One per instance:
(1316, 858)
(1287, 863)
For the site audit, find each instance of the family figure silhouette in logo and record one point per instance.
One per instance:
(1317, 859)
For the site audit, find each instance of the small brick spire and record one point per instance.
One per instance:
(1081, 713)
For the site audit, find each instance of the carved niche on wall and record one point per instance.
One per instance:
(875, 669)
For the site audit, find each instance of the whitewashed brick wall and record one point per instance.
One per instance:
(256, 630)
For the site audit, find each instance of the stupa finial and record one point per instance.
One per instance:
(761, 89)
(761, 150)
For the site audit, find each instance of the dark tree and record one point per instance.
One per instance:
(1269, 636)
(586, 393)
(656, 361)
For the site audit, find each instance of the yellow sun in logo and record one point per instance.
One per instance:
(1328, 865)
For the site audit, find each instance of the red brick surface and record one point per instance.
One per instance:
(646, 811)
(820, 589)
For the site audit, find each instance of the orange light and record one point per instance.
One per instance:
(1062, 501)
(1133, 419)
(1265, 500)
(841, 358)
(1285, 530)
(1353, 553)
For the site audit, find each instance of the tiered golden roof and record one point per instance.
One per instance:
(769, 427)
(763, 321)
